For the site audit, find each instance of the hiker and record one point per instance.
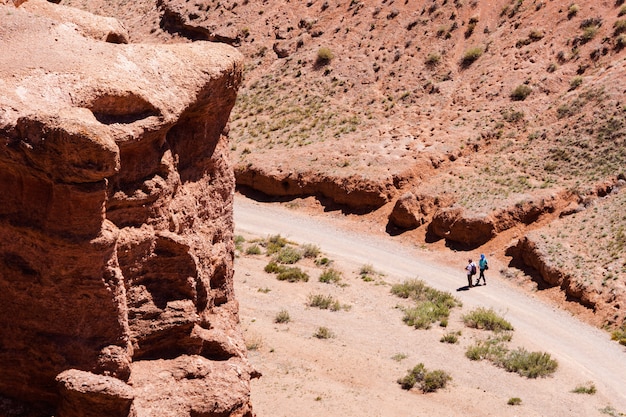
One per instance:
(482, 265)
(471, 271)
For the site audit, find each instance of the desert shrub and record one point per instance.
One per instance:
(367, 273)
(310, 251)
(433, 59)
(292, 274)
(610, 411)
(535, 35)
(576, 82)
(482, 318)
(622, 11)
(323, 262)
(573, 10)
(253, 341)
(273, 268)
(253, 249)
(330, 276)
(413, 376)
(413, 288)
(424, 314)
(323, 333)
(430, 304)
(323, 302)
(399, 356)
(435, 380)
(589, 33)
(471, 55)
(521, 92)
(451, 337)
(620, 41)
(619, 27)
(238, 241)
(514, 401)
(620, 335)
(529, 364)
(491, 349)
(428, 381)
(552, 67)
(324, 56)
(282, 317)
(274, 243)
(588, 388)
(288, 255)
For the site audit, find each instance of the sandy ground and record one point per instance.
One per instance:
(354, 373)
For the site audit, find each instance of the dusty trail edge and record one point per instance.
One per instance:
(556, 331)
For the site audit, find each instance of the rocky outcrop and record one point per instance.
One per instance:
(354, 192)
(458, 225)
(413, 210)
(116, 217)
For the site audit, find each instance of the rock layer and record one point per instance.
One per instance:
(116, 217)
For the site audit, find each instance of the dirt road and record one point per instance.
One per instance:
(584, 353)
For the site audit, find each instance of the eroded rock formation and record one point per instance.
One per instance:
(116, 256)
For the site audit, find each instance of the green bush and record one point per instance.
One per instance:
(288, 255)
(323, 333)
(238, 241)
(435, 380)
(619, 27)
(576, 82)
(620, 335)
(292, 274)
(323, 302)
(274, 243)
(330, 276)
(324, 56)
(430, 304)
(588, 388)
(451, 337)
(424, 314)
(253, 250)
(310, 251)
(414, 376)
(491, 349)
(282, 317)
(429, 381)
(433, 59)
(471, 55)
(514, 401)
(274, 268)
(589, 33)
(521, 92)
(529, 364)
(482, 318)
(323, 262)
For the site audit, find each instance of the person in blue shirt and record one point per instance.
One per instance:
(482, 265)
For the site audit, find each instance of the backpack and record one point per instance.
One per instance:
(473, 270)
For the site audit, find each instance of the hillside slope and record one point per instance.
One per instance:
(462, 120)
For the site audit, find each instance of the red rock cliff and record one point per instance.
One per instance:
(116, 256)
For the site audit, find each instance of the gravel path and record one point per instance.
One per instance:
(583, 352)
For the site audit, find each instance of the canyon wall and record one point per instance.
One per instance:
(116, 257)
